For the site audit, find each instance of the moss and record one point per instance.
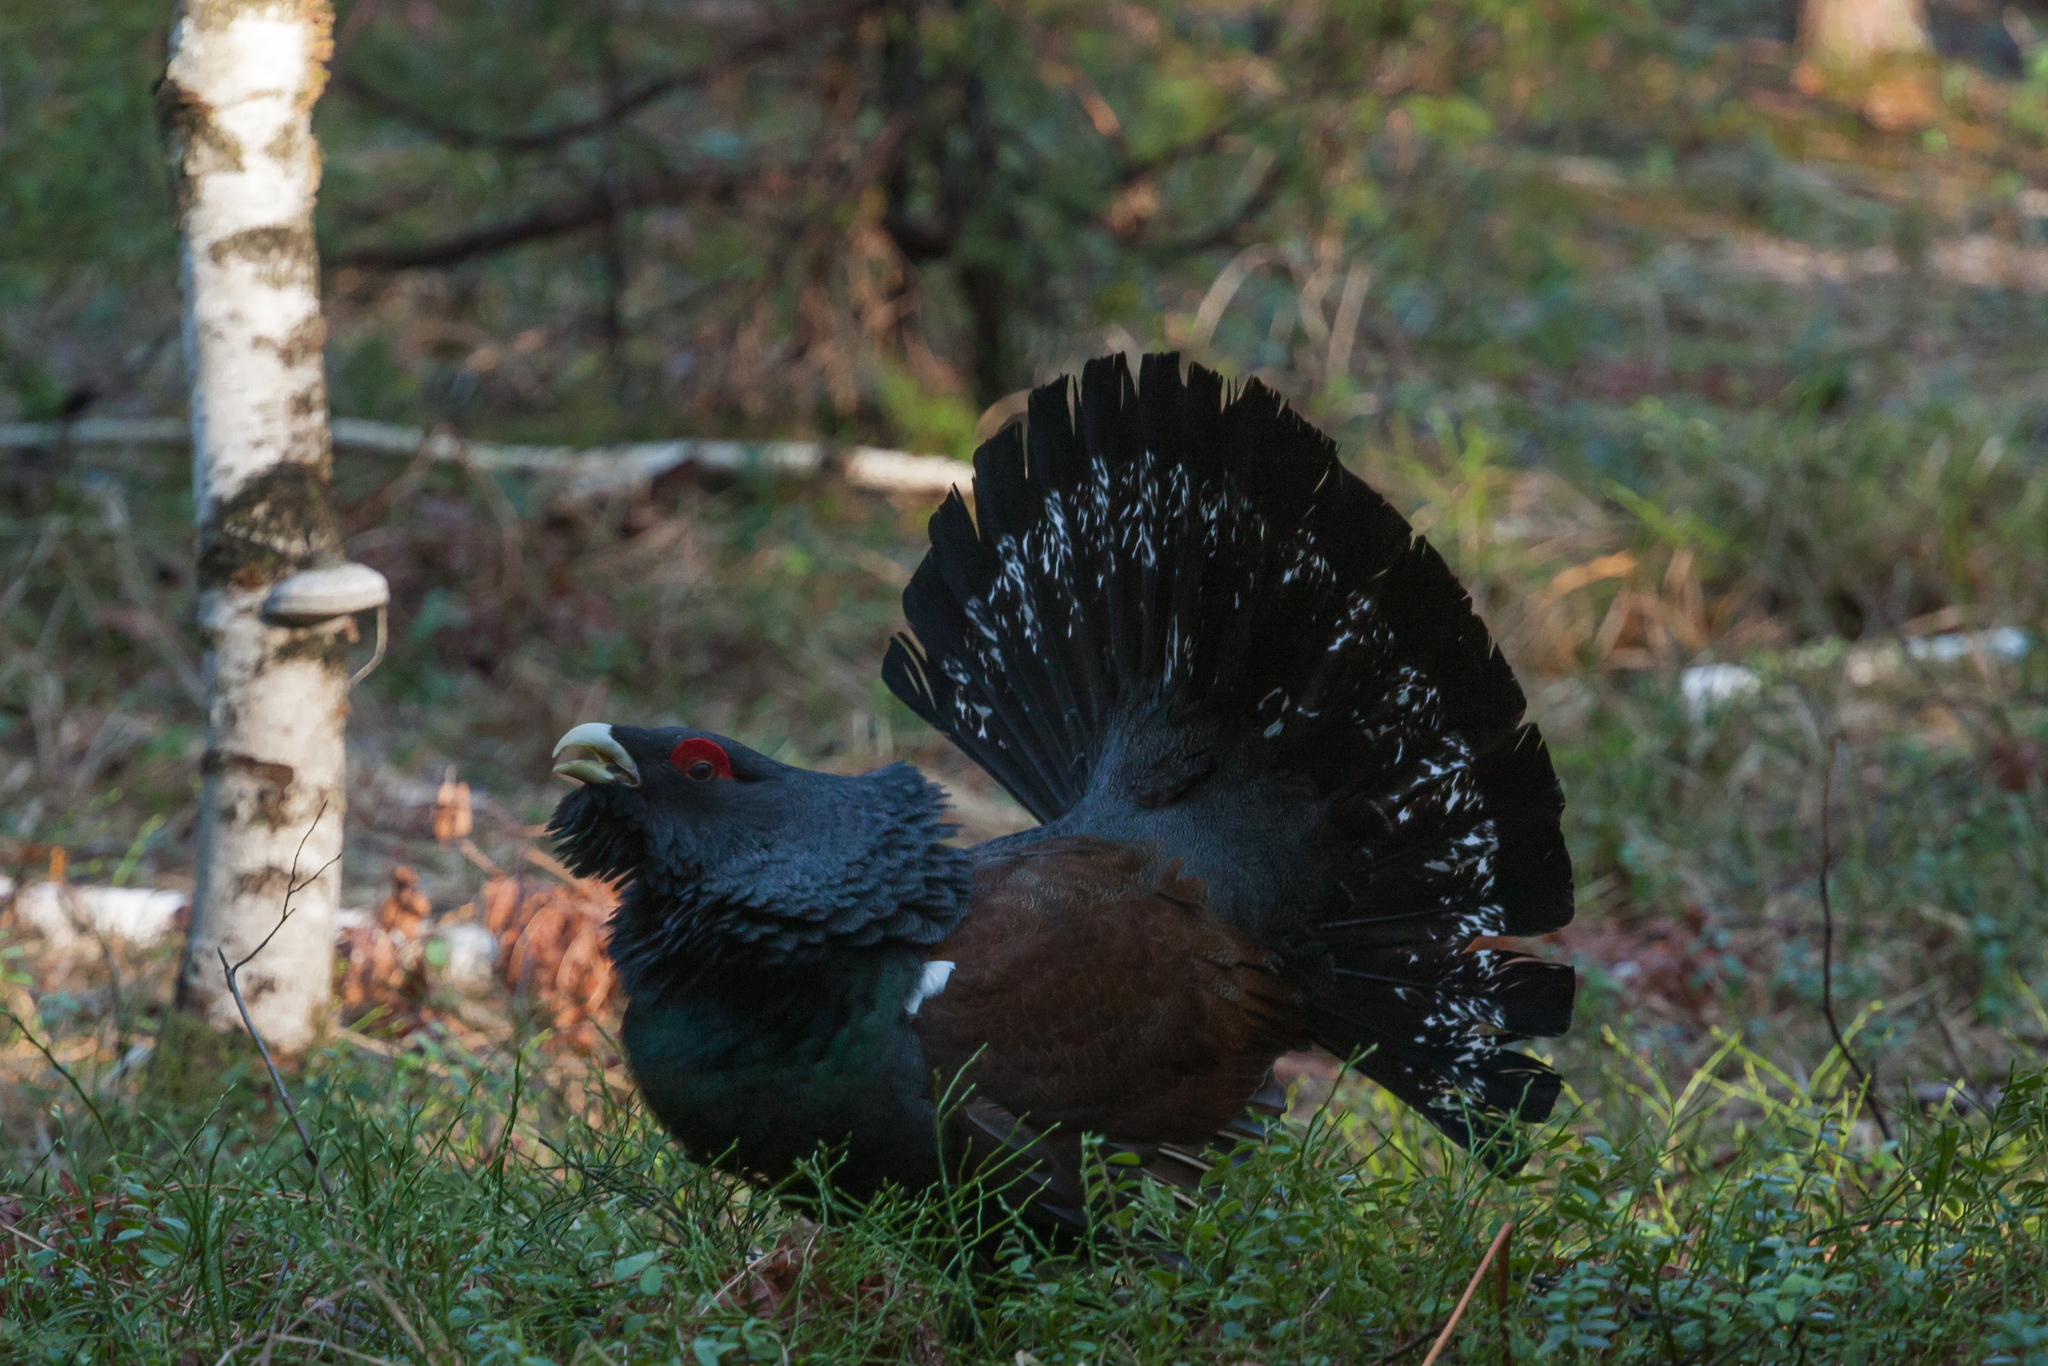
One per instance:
(191, 1058)
(277, 524)
(325, 647)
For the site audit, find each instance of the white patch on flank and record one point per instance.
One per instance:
(930, 983)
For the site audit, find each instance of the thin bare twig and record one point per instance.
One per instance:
(45, 546)
(1500, 1242)
(229, 970)
(284, 1097)
(28, 1238)
(376, 1288)
(1225, 233)
(61, 1070)
(1827, 947)
(1501, 1283)
(292, 889)
(1948, 1037)
(511, 543)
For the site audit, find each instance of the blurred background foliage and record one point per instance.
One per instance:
(1612, 241)
(1680, 354)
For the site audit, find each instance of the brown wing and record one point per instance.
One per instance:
(1093, 989)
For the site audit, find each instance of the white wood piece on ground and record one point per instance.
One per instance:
(1851, 34)
(67, 913)
(238, 98)
(585, 472)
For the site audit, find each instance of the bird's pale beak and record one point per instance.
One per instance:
(589, 754)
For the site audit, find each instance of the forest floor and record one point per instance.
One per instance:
(497, 1190)
(1768, 556)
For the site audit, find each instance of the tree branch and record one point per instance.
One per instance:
(601, 205)
(595, 208)
(763, 42)
(920, 242)
(1225, 233)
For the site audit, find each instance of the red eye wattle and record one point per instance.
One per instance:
(701, 759)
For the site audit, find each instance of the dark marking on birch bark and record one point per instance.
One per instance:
(195, 144)
(303, 342)
(266, 883)
(277, 524)
(272, 783)
(311, 442)
(323, 645)
(256, 986)
(262, 770)
(287, 144)
(282, 252)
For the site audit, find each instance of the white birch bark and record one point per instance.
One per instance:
(1849, 35)
(236, 107)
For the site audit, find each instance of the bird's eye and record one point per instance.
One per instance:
(700, 760)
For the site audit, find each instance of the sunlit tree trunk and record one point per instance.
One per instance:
(236, 106)
(1850, 35)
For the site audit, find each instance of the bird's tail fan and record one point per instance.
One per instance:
(1175, 616)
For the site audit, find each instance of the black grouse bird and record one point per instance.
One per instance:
(1284, 783)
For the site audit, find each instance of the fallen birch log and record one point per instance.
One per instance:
(587, 472)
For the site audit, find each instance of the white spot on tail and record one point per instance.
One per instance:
(930, 983)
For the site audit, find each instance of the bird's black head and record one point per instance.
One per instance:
(657, 802)
(725, 854)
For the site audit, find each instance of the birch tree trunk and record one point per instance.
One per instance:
(1851, 35)
(236, 107)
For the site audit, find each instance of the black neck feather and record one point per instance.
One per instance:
(870, 869)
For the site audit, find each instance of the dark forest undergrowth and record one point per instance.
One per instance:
(1712, 1190)
(472, 1212)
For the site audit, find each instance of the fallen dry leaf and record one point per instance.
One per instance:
(376, 972)
(792, 1279)
(453, 818)
(402, 911)
(551, 949)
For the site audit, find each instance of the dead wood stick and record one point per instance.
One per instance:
(1500, 1241)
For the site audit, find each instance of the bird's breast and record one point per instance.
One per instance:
(756, 1071)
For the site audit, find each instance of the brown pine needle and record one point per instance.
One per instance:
(1500, 1241)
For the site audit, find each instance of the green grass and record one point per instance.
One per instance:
(1754, 1220)
(476, 1215)
(1708, 1196)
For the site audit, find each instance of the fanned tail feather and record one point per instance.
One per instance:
(1175, 616)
